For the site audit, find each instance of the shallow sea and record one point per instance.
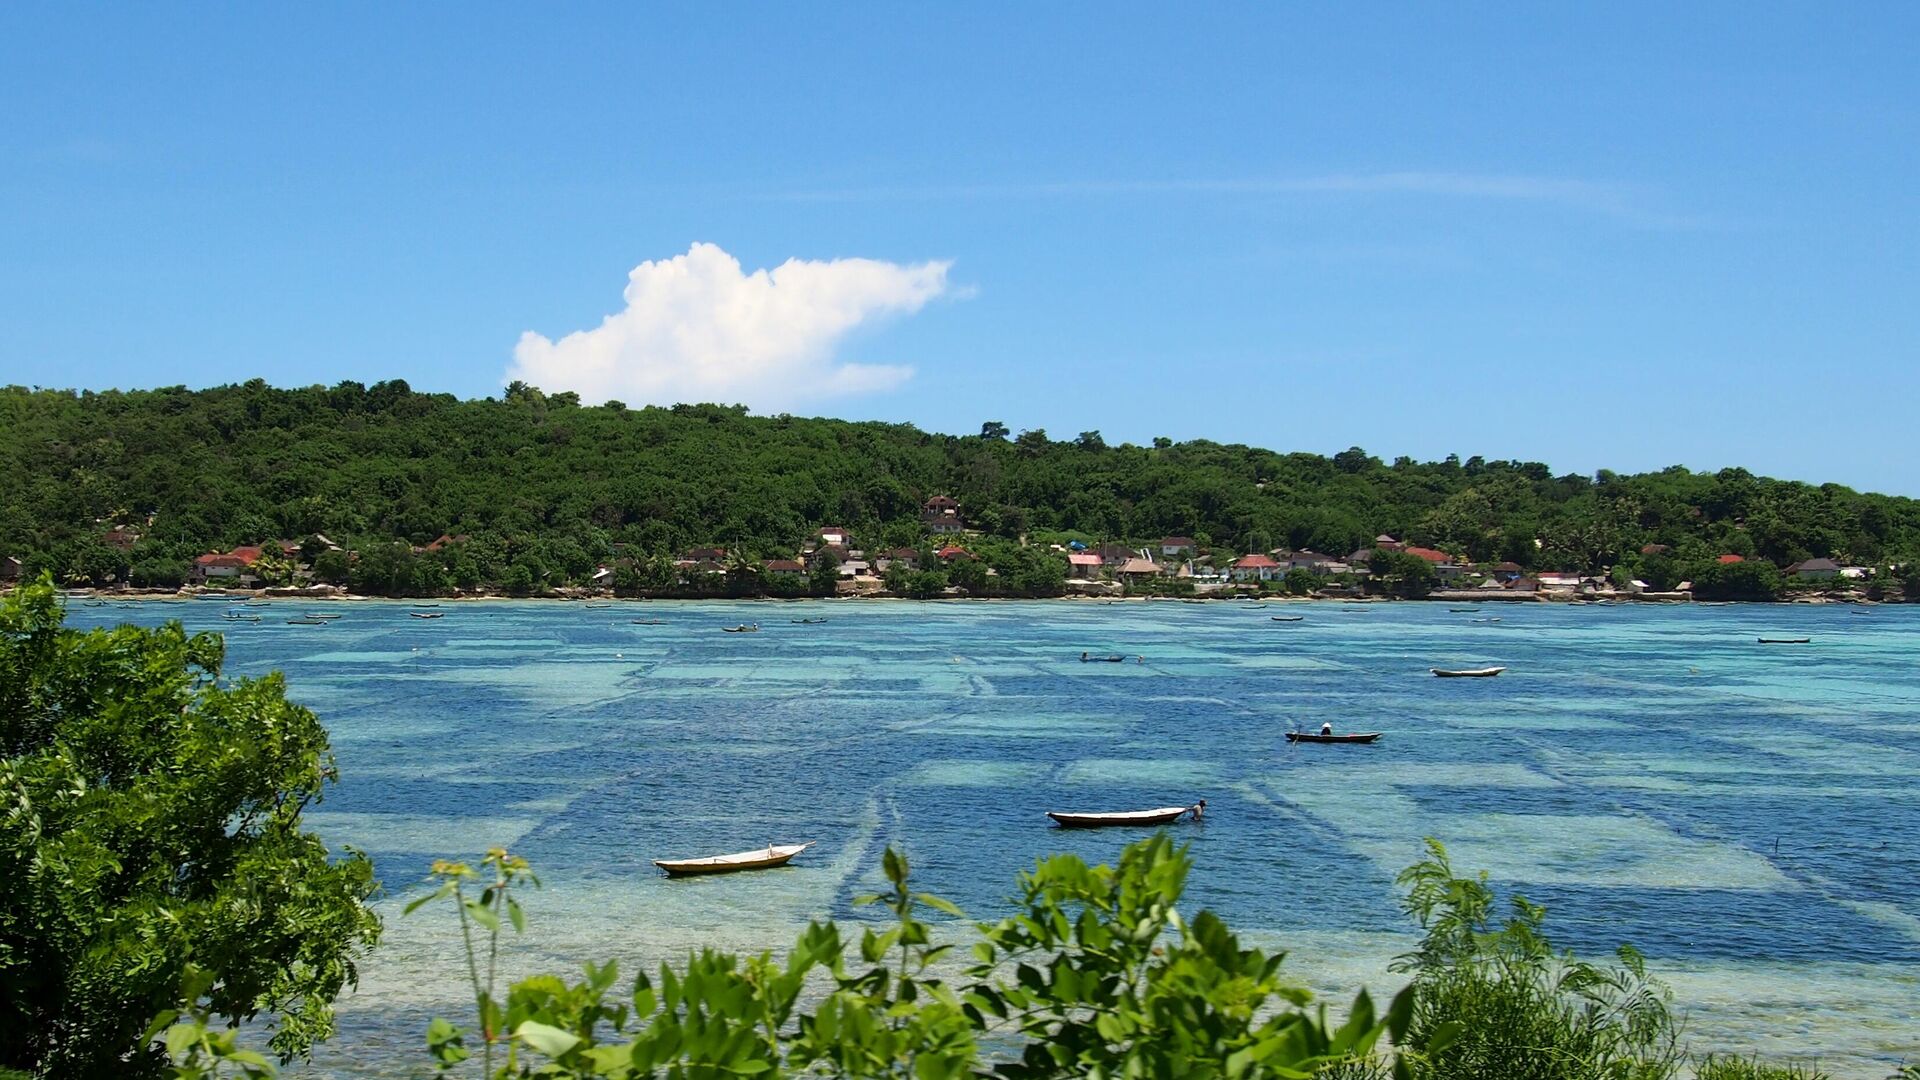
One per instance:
(1746, 815)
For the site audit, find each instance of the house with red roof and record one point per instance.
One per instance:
(952, 552)
(1256, 568)
(1445, 567)
(223, 566)
(1728, 560)
(1083, 565)
(941, 514)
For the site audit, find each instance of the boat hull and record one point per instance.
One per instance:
(1308, 736)
(1479, 673)
(760, 859)
(1134, 819)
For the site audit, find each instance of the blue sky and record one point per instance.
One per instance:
(1624, 240)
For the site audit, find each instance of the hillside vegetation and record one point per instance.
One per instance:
(538, 477)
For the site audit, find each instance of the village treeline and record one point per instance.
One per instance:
(542, 492)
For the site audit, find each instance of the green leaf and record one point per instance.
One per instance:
(940, 903)
(516, 916)
(483, 915)
(547, 1039)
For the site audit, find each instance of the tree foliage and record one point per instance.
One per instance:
(552, 488)
(151, 829)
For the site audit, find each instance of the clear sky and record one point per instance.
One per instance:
(1658, 235)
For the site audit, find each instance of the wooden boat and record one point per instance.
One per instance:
(423, 605)
(322, 616)
(1286, 618)
(1785, 641)
(305, 621)
(428, 614)
(1857, 611)
(1256, 607)
(599, 605)
(241, 618)
(1166, 815)
(1467, 673)
(1496, 618)
(1316, 737)
(758, 859)
(648, 622)
(807, 622)
(743, 628)
(1114, 659)
(1463, 610)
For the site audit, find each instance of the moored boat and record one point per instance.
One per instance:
(1785, 641)
(1286, 618)
(807, 622)
(1467, 673)
(1165, 815)
(427, 614)
(758, 859)
(306, 621)
(743, 628)
(323, 616)
(1115, 658)
(1316, 737)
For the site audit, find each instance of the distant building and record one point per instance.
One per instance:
(1083, 566)
(951, 552)
(122, 537)
(1256, 568)
(834, 534)
(223, 566)
(1814, 570)
(1655, 549)
(1115, 555)
(10, 569)
(1310, 561)
(1176, 546)
(1386, 543)
(1444, 565)
(905, 558)
(785, 567)
(1508, 571)
(940, 515)
(1139, 568)
(1728, 560)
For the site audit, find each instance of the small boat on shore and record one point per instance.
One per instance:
(1316, 737)
(1467, 673)
(1785, 641)
(764, 858)
(428, 614)
(1165, 815)
(1286, 618)
(743, 628)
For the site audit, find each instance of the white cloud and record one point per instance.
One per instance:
(697, 328)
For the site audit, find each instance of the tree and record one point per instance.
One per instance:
(153, 821)
(1301, 581)
(993, 429)
(824, 578)
(332, 567)
(1090, 440)
(1409, 577)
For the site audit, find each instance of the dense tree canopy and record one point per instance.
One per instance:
(150, 819)
(546, 488)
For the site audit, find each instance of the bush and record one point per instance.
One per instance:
(1735, 1068)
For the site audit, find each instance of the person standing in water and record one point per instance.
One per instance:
(1199, 809)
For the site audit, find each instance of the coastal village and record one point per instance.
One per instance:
(835, 561)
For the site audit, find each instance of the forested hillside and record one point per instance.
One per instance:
(196, 470)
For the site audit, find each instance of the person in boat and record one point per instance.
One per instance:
(1084, 657)
(1199, 809)
(1326, 729)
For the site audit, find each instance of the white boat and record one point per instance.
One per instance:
(758, 859)
(1166, 815)
(1467, 673)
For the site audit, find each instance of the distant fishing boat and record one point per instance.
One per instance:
(1193, 601)
(306, 621)
(428, 614)
(423, 605)
(1256, 607)
(238, 617)
(1316, 737)
(758, 859)
(1165, 815)
(743, 628)
(1115, 658)
(649, 622)
(1496, 618)
(1286, 618)
(1467, 673)
(1858, 611)
(807, 622)
(1463, 610)
(323, 616)
(600, 604)
(1785, 641)
(258, 603)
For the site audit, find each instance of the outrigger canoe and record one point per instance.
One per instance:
(1785, 640)
(1467, 673)
(745, 628)
(1316, 737)
(305, 621)
(806, 622)
(1166, 815)
(758, 859)
(1114, 659)
(427, 614)
(1286, 618)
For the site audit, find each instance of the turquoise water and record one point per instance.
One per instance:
(1746, 815)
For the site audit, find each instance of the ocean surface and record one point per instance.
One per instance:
(1746, 815)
